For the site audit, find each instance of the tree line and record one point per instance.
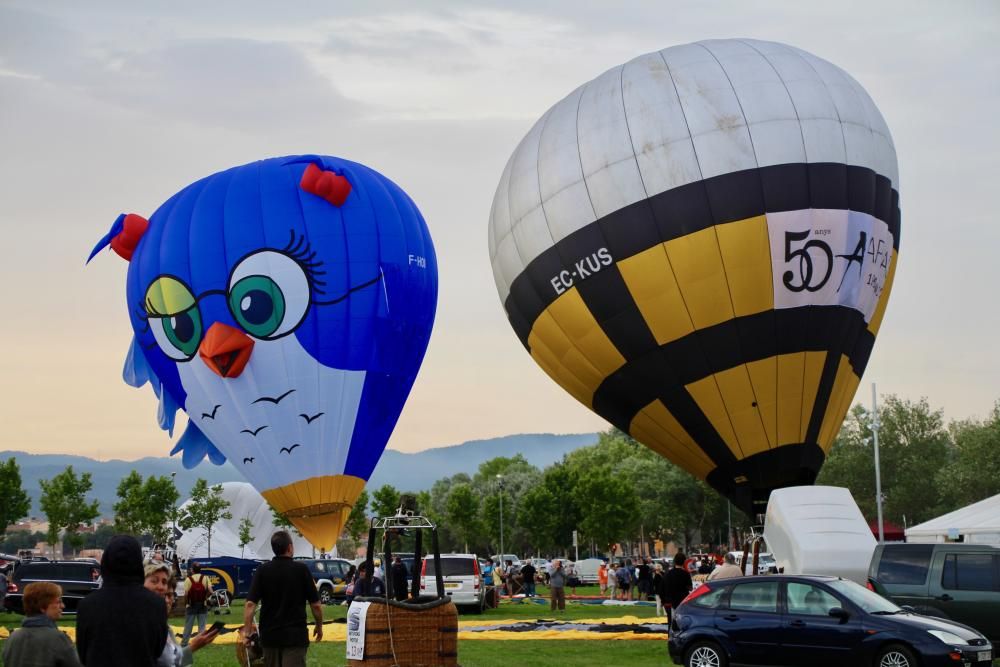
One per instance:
(146, 508)
(616, 492)
(620, 492)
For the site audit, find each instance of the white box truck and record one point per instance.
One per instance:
(818, 530)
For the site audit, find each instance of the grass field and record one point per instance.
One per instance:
(476, 652)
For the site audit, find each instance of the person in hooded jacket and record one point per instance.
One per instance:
(122, 624)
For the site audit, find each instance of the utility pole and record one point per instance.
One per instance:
(500, 484)
(878, 472)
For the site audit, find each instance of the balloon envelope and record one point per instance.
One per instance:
(285, 305)
(699, 246)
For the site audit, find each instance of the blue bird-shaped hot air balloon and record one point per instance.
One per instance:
(285, 305)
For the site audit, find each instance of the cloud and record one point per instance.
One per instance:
(217, 81)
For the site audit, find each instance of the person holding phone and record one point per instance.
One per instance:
(159, 581)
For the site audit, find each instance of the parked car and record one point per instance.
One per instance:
(960, 582)
(330, 575)
(230, 576)
(502, 559)
(463, 580)
(813, 620)
(586, 570)
(77, 579)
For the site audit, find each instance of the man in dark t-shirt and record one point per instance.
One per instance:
(282, 587)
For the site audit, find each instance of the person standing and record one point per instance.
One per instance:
(365, 587)
(38, 642)
(398, 574)
(528, 577)
(727, 570)
(659, 589)
(602, 577)
(678, 583)
(3, 585)
(625, 580)
(612, 581)
(282, 587)
(509, 573)
(197, 588)
(557, 586)
(121, 624)
(644, 581)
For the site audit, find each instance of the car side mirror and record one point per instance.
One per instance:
(841, 613)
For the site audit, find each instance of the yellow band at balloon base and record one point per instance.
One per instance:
(318, 507)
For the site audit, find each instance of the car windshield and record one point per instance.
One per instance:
(450, 567)
(871, 602)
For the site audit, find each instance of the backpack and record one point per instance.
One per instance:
(197, 593)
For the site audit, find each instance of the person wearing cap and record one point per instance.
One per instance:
(38, 642)
(121, 624)
(159, 581)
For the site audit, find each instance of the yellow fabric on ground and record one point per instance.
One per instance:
(337, 632)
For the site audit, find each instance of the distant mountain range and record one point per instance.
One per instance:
(406, 472)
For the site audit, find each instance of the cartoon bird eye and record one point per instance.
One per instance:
(174, 318)
(268, 294)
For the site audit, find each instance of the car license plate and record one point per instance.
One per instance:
(984, 655)
(451, 585)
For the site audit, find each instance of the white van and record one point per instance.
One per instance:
(586, 570)
(463, 580)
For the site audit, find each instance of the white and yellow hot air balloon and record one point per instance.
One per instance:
(699, 245)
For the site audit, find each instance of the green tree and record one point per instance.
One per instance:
(609, 507)
(205, 509)
(16, 540)
(245, 533)
(463, 513)
(385, 501)
(130, 515)
(145, 507)
(913, 447)
(357, 520)
(14, 500)
(161, 498)
(974, 473)
(64, 503)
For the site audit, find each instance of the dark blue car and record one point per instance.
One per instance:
(814, 621)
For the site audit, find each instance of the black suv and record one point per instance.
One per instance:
(76, 578)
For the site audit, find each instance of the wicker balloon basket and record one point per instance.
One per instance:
(421, 633)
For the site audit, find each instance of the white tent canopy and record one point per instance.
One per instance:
(978, 523)
(244, 502)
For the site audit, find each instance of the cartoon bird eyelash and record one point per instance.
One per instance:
(298, 248)
(140, 314)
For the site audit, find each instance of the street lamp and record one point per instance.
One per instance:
(500, 484)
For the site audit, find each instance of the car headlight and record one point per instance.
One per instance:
(948, 637)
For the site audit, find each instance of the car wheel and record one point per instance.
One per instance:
(896, 655)
(325, 594)
(705, 654)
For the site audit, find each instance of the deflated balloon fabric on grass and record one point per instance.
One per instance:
(503, 629)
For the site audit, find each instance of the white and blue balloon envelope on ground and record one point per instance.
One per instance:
(285, 305)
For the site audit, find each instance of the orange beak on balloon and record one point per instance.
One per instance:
(226, 350)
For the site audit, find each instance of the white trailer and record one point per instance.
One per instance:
(818, 530)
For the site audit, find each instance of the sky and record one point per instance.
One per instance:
(112, 107)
